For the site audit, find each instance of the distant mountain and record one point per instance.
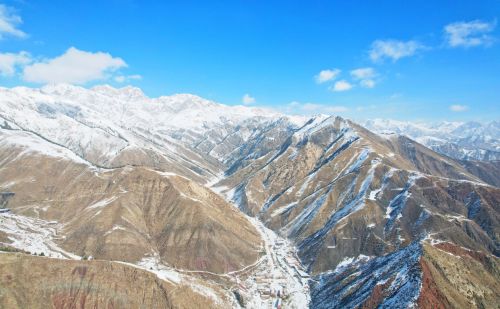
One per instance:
(239, 203)
(460, 140)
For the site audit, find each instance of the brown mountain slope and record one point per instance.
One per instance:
(36, 282)
(459, 278)
(129, 213)
(488, 171)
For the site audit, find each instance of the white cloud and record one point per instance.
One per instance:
(9, 22)
(248, 99)
(365, 76)
(367, 83)
(469, 34)
(458, 108)
(327, 75)
(74, 67)
(393, 49)
(126, 78)
(314, 108)
(363, 73)
(9, 62)
(341, 85)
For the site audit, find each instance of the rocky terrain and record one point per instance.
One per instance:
(253, 208)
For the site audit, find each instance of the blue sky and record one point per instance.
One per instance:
(415, 60)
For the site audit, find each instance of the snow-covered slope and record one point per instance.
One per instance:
(111, 127)
(460, 140)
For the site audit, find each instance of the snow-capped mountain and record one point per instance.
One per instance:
(460, 140)
(241, 202)
(113, 127)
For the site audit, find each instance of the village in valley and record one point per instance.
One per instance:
(278, 281)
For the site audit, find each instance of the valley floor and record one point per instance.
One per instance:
(280, 279)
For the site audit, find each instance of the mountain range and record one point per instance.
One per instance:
(460, 140)
(237, 206)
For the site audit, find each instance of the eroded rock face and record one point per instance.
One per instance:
(459, 277)
(36, 282)
(442, 275)
(392, 281)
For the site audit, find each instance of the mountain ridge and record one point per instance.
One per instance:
(470, 140)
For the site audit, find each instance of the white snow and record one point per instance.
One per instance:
(373, 194)
(469, 140)
(33, 235)
(30, 143)
(115, 228)
(102, 203)
(283, 209)
(347, 261)
(153, 264)
(281, 271)
(212, 182)
(163, 272)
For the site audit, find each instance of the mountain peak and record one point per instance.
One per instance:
(185, 101)
(61, 89)
(129, 92)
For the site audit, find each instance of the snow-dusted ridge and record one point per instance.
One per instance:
(103, 123)
(460, 140)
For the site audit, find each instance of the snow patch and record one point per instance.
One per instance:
(102, 203)
(33, 235)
